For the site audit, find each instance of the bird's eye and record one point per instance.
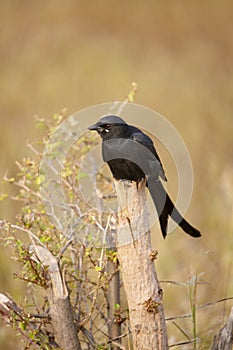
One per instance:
(107, 126)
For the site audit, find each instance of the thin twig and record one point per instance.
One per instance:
(182, 343)
(104, 243)
(203, 306)
(31, 235)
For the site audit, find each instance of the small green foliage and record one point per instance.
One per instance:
(3, 196)
(40, 179)
(112, 255)
(132, 92)
(103, 347)
(45, 238)
(22, 325)
(81, 175)
(83, 267)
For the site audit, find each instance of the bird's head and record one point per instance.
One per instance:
(109, 126)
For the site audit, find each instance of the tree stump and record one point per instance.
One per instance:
(136, 258)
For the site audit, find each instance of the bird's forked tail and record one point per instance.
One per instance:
(166, 208)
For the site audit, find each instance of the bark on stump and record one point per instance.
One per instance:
(142, 287)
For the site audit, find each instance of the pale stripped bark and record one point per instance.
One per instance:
(60, 307)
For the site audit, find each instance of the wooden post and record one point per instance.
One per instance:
(142, 287)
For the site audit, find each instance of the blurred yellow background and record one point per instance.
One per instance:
(74, 54)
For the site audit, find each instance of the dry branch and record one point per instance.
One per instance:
(113, 299)
(60, 308)
(13, 315)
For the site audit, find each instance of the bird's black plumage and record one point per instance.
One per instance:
(131, 155)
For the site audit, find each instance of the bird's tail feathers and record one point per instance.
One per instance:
(159, 196)
(165, 208)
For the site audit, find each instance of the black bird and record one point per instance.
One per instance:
(131, 155)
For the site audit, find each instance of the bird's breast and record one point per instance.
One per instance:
(123, 169)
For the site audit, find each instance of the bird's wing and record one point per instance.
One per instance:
(145, 140)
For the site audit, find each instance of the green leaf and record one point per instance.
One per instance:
(22, 326)
(82, 175)
(132, 92)
(3, 196)
(40, 179)
(67, 172)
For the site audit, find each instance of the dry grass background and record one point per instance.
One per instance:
(74, 54)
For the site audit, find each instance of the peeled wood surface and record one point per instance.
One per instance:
(143, 291)
(60, 308)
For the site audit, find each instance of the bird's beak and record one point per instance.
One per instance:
(93, 127)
